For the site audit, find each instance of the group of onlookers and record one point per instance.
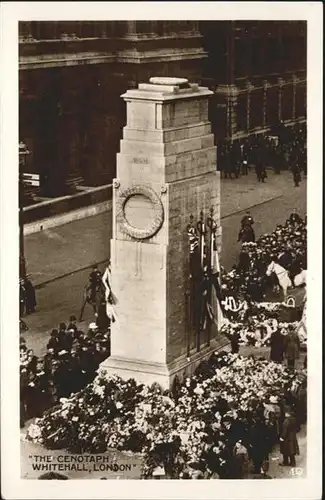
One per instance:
(70, 363)
(284, 151)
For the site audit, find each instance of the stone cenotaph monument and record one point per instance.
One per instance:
(166, 171)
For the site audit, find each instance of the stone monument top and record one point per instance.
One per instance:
(166, 88)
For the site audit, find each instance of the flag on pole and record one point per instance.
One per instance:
(215, 264)
(215, 310)
(193, 239)
(107, 279)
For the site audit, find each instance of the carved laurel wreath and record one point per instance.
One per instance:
(140, 234)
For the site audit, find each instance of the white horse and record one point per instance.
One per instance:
(301, 278)
(282, 275)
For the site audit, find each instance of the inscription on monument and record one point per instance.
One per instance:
(140, 160)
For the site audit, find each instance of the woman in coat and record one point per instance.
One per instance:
(288, 441)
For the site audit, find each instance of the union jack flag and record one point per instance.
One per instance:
(193, 238)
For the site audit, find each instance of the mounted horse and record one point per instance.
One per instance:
(282, 275)
(93, 296)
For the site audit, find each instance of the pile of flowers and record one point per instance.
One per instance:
(258, 333)
(255, 322)
(193, 428)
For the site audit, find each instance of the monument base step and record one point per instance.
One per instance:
(144, 372)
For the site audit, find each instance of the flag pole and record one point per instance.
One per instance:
(199, 298)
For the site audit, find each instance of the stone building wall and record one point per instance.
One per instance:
(73, 73)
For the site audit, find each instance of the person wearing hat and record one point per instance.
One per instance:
(61, 375)
(65, 337)
(294, 218)
(247, 219)
(289, 447)
(54, 343)
(31, 361)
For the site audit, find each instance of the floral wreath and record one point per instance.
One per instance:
(140, 234)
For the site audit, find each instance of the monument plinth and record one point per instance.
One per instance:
(166, 170)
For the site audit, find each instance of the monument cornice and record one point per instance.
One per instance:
(160, 97)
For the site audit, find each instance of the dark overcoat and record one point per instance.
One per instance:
(289, 446)
(277, 347)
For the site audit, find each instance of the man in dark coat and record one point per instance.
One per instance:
(288, 441)
(235, 342)
(291, 347)
(259, 446)
(54, 343)
(244, 261)
(246, 234)
(296, 171)
(30, 296)
(277, 347)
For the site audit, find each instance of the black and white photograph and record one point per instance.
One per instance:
(160, 231)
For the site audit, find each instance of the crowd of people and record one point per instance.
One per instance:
(284, 150)
(286, 245)
(71, 361)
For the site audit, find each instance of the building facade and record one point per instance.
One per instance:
(71, 76)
